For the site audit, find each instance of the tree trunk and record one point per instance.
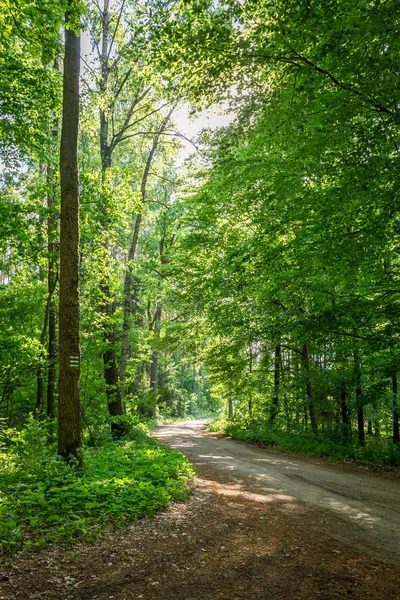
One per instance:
(277, 376)
(52, 276)
(131, 258)
(154, 359)
(128, 304)
(359, 403)
(230, 409)
(310, 399)
(113, 393)
(396, 436)
(69, 416)
(39, 390)
(51, 372)
(344, 410)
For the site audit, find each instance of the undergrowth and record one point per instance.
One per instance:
(376, 451)
(45, 500)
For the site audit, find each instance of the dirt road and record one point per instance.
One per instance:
(359, 507)
(260, 525)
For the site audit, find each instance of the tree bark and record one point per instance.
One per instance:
(69, 415)
(154, 359)
(277, 376)
(344, 410)
(52, 276)
(359, 403)
(396, 433)
(311, 408)
(230, 409)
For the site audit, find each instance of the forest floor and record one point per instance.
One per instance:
(260, 524)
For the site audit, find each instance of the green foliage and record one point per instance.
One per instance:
(30, 85)
(44, 500)
(376, 452)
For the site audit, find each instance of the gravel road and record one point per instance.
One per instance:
(356, 507)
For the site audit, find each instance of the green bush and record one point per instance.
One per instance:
(45, 500)
(378, 452)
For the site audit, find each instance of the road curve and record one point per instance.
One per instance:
(358, 508)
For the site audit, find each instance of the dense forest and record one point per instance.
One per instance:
(255, 276)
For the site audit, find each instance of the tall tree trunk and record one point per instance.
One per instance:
(344, 410)
(113, 392)
(51, 371)
(52, 276)
(154, 359)
(277, 377)
(69, 414)
(194, 380)
(396, 433)
(230, 409)
(250, 381)
(128, 304)
(359, 403)
(49, 313)
(39, 371)
(131, 258)
(310, 399)
(39, 390)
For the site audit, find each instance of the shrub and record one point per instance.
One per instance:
(378, 452)
(45, 500)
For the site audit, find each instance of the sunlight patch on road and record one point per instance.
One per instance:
(215, 456)
(364, 518)
(268, 495)
(280, 463)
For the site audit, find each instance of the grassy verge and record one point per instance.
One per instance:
(44, 500)
(376, 451)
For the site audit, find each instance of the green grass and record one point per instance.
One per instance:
(376, 451)
(44, 500)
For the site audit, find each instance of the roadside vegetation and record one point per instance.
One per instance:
(375, 451)
(44, 499)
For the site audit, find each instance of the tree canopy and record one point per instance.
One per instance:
(256, 277)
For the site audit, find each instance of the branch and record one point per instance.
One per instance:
(377, 105)
(117, 137)
(353, 335)
(115, 30)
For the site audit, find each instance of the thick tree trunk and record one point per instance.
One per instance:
(69, 415)
(310, 399)
(277, 377)
(396, 433)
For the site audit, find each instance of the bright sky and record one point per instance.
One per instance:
(190, 127)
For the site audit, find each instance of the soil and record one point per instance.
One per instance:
(232, 540)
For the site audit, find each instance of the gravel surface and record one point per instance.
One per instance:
(243, 535)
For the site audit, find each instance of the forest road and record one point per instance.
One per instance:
(357, 508)
(259, 525)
